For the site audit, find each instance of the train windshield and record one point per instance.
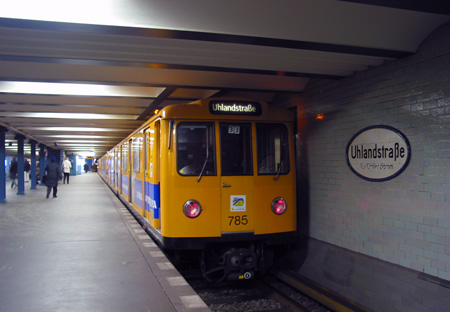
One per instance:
(196, 149)
(236, 149)
(196, 154)
(273, 149)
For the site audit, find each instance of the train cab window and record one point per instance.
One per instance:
(236, 149)
(196, 153)
(273, 149)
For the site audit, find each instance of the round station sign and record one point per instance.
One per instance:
(378, 153)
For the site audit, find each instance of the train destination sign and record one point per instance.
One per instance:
(235, 108)
(378, 153)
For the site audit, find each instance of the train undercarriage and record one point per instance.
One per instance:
(235, 262)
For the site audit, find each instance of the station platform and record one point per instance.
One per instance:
(83, 251)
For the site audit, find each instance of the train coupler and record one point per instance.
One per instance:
(240, 263)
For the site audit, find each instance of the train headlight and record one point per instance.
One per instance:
(279, 205)
(192, 208)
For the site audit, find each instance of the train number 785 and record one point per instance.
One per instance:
(238, 220)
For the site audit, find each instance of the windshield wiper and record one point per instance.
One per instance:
(278, 172)
(204, 166)
(277, 176)
(207, 157)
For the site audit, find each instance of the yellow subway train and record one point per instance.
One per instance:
(216, 175)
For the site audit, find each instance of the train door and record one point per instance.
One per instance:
(119, 170)
(112, 169)
(152, 174)
(116, 168)
(194, 183)
(137, 173)
(129, 169)
(125, 171)
(236, 177)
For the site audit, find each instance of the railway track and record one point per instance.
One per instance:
(269, 294)
(278, 291)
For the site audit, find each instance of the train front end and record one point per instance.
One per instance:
(227, 179)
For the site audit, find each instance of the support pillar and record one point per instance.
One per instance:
(2, 165)
(33, 164)
(42, 163)
(20, 164)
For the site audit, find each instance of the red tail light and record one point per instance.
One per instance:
(192, 208)
(279, 206)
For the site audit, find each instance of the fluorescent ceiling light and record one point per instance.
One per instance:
(85, 148)
(86, 154)
(14, 146)
(86, 144)
(51, 88)
(100, 11)
(81, 136)
(63, 142)
(68, 115)
(69, 129)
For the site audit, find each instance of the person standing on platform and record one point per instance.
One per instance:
(67, 165)
(86, 167)
(13, 172)
(26, 169)
(53, 175)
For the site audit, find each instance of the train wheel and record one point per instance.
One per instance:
(212, 266)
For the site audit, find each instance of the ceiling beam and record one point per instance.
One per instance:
(154, 105)
(201, 36)
(435, 7)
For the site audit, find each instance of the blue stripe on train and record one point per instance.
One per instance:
(152, 201)
(137, 188)
(125, 184)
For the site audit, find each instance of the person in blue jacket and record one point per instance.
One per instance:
(53, 176)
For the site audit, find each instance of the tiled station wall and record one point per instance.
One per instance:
(404, 221)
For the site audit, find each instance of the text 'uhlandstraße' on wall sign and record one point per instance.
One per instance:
(378, 153)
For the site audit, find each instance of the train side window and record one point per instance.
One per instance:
(136, 147)
(272, 149)
(196, 149)
(124, 157)
(236, 149)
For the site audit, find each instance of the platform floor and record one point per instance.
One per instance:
(83, 251)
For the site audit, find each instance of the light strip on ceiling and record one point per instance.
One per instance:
(81, 142)
(83, 149)
(63, 142)
(79, 89)
(87, 145)
(75, 129)
(81, 136)
(15, 146)
(69, 116)
(106, 12)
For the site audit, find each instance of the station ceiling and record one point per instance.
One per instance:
(81, 76)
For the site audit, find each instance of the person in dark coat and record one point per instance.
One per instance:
(26, 169)
(53, 175)
(13, 172)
